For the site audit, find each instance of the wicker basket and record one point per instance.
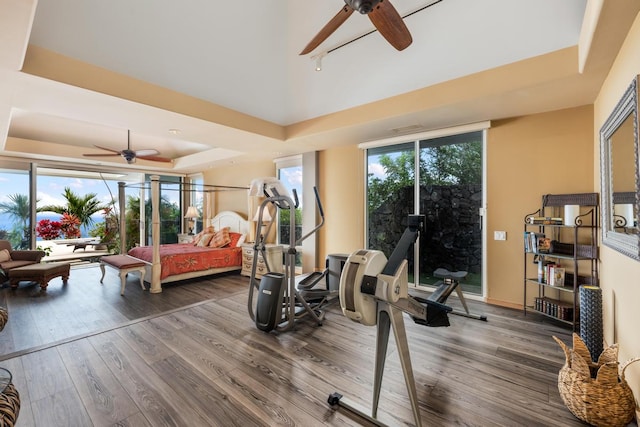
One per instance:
(594, 392)
(4, 316)
(9, 406)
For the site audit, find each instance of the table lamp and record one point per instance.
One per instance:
(266, 219)
(192, 214)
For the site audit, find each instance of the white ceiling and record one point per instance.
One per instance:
(243, 55)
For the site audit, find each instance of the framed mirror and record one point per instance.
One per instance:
(620, 177)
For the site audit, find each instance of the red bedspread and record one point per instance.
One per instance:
(184, 257)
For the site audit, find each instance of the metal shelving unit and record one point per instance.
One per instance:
(573, 245)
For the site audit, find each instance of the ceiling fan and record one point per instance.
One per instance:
(131, 155)
(382, 14)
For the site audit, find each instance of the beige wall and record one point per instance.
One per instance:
(341, 187)
(236, 176)
(527, 157)
(619, 274)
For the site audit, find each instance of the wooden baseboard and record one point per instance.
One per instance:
(504, 304)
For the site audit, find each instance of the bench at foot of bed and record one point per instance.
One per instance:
(125, 264)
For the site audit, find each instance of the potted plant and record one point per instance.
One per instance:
(107, 231)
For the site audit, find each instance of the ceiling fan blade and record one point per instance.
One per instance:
(389, 23)
(102, 155)
(148, 152)
(156, 159)
(328, 29)
(107, 149)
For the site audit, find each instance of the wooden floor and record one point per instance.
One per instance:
(82, 355)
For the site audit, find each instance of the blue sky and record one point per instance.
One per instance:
(50, 188)
(291, 178)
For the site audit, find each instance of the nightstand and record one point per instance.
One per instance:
(273, 254)
(185, 238)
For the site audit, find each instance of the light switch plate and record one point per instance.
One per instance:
(499, 235)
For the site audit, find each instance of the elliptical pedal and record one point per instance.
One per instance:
(309, 280)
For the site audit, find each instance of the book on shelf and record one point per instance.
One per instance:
(527, 242)
(531, 241)
(543, 244)
(557, 276)
(544, 220)
(536, 242)
(557, 309)
(548, 267)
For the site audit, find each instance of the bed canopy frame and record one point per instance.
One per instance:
(154, 187)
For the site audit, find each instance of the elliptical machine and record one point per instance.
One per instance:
(279, 303)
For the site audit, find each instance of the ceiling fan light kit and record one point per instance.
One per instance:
(362, 6)
(318, 60)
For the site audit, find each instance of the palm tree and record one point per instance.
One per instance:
(83, 207)
(18, 208)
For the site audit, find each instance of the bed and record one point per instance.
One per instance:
(182, 261)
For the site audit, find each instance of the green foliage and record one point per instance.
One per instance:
(80, 206)
(46, 249)
(107, 233)
(399, 174)
(19, 209)
(169, 220)
(285, 216)
(132, 222)
(453, 164)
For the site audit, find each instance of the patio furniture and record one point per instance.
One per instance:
(17, 258)
(40, 273)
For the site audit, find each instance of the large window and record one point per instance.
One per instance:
(443, 182)
(290, 174)
(88, 200)
(15, 207)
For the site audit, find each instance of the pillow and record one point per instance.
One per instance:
(235, 239)
(204, 240)
(241, 240)
(197, 237)
(5, 255)
(220, 238)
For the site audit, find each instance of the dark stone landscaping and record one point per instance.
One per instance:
(452, 236)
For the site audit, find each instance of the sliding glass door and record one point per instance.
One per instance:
(443, 183)
(15, 207)
(451, 199)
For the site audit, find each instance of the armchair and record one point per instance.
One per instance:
(17, 258)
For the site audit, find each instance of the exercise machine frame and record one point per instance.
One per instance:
(277, 292)
(374, 291)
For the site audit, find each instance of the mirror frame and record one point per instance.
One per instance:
(628, 244)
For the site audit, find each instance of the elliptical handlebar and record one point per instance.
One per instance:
(320, 210)
(318, 202)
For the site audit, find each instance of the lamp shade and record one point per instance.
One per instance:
(266, 216)
(192, 212)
